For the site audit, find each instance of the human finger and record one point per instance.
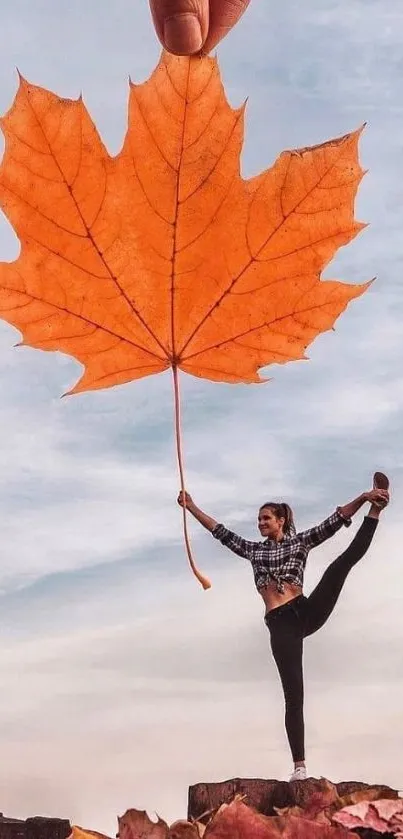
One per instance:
(224, 14)
(381, 499)
(181, 25)
(378, 493)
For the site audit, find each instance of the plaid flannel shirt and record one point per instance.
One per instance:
(281, 561)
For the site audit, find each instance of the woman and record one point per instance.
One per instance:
(278, 565)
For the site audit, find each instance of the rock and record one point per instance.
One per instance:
(34, 828)
(41, 828)
(265, 795)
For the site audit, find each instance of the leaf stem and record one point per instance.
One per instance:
(203, 580)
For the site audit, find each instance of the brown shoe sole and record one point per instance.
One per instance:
(381, 481)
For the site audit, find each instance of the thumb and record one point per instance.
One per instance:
(181, 25)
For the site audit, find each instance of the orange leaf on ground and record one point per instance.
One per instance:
(183, 829)
(238, 821)
(136, 824)
(372, 794)
(296, 828)
(80, 833)
(383, 816)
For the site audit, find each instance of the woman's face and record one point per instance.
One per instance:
(269, 525)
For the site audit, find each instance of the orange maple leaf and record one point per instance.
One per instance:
(164, 257)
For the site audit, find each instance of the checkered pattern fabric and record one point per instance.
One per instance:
(281, 561)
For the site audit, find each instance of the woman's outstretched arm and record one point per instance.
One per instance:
(351, 508)
(343, 515)
(187, 501)
(231, 540)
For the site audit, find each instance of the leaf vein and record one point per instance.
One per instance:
(129, 302)
(217, 161)
(265, 324)
(247, 265)
(88, 321)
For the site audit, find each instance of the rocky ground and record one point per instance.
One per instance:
(252, 809)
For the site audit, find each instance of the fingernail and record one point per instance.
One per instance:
(182, 33)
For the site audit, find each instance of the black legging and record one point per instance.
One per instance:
(291, 623)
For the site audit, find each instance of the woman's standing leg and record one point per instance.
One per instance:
(286, 641)
(320, 604)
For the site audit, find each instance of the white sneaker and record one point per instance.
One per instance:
(299, 774)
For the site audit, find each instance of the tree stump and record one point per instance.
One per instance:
(41, 828)
(34, 828)
(12, 828)
(264, 795)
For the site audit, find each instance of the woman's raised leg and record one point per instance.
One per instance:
(321, 602)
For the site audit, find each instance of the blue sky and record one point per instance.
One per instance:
(122, 681)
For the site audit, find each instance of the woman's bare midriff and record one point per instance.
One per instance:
(273, 598)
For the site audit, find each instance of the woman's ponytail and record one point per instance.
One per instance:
(289, 524)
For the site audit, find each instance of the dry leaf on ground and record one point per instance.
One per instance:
(237, 821)
(384, 816)
(183, 829)
(80, 833)
(136, 824)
